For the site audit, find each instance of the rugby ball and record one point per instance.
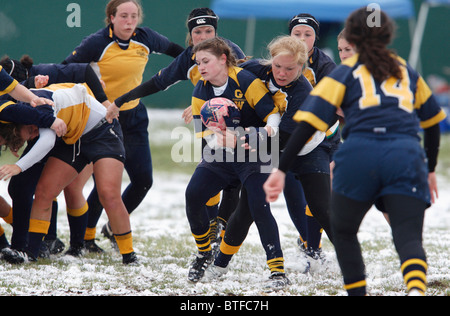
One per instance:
(219, 113)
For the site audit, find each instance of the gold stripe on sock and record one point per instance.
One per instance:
(38, 226)
(78, 212)
(125, 243)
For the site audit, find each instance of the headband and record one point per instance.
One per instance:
(304, 20)
(17, 71)
(202, 21)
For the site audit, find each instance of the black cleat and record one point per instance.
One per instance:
(55, 246)
(91, 247)
(130, 259)
(75, 251)
(199, 265)
(14, 256)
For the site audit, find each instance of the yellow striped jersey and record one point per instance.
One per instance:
(7, 83)
(120, 64)
(379, 108)
(243, 88)
(72, 105)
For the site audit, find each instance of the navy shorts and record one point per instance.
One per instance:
(368, 168)
(105, 141)
(231, 170)
(317, 161)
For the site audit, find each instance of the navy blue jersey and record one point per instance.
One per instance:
(22, 113)
(120, 64)
(288, 99)
(379, 108)
(184, 67)
(60, 73)
(243, 88)
(319, 65)
(7, 83)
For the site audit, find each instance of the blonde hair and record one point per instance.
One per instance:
(287, 45)
(111, 9)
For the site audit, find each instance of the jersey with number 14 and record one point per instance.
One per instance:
(387, 108)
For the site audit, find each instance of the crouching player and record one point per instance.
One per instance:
(89, 138)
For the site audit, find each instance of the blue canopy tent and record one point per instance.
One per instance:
(323, 10)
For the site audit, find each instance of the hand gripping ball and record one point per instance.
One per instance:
(219, 113)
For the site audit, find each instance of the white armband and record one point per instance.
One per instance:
(273, 121)
(40, 149)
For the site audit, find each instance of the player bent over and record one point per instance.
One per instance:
(89, 138)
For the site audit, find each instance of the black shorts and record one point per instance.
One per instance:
(104, 141)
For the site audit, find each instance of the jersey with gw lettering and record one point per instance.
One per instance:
(243, 88)
(387, 108)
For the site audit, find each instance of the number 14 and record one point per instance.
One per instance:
(391, 87)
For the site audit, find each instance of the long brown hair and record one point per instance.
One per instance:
(10, 133)
(372, 41)
(217, 47)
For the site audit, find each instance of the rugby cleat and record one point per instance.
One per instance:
(199, 265)
(277, 282)
(55, 246)
(214, 272)
(108, 233)
(130, 259)
(75, 251)
(316, 254)
(14, 256)
(91, 247)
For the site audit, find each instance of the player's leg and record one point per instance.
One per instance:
(204, 183)
(296, 205)
(235, 234)
(138, 164)
(77, 210)
(55, 176)
(346, 216)
(406, 217)
(108, 174)
(317, 190)
(228, 204)
(138, 160)
(267, 228)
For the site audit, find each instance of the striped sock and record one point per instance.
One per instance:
(355, 288)
(276, 265)
(203, 242)
(225, 254)
(415, 274)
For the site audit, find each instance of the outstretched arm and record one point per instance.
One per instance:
(41, 148)
(21, 93)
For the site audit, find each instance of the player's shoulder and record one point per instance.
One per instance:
(344, 71)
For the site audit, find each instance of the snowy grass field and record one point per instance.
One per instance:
(165, 246)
